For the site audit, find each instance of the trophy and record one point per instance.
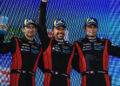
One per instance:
(3, 23)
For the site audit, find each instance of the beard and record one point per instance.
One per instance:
(60, 36)
(30, 35)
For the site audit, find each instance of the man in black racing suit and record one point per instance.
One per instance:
(57, 53)
(92, 56)
(25, 55)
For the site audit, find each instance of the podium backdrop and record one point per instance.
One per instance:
(74, 13)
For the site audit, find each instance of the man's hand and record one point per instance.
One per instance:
(44, 0)
(4, 27)
(3, 23)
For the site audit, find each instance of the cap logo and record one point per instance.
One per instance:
(87, 20)
(92, 20)
(55, 22)
(60, 22)
(28, 21)
(25, 21)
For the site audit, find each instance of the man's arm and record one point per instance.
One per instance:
(44, 1)
(42, 30)
(41, 64)
(6, 47)
(113, 50)
(75, 61)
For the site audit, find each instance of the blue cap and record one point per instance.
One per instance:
(28, 21)
(91, 21)
(59, 22)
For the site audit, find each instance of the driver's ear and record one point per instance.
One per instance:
(53, 30)
(23, 29)
(84, 29)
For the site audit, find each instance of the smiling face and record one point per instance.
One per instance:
(91, 30)
(29, 31)
(59, 33)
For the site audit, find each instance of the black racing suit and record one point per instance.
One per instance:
(92, 58)
(25, 57)
(57, 55)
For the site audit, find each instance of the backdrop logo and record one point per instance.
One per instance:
(4, 76)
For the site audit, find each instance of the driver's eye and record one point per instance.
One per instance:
(30, 27)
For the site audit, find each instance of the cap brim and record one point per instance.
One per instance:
(92, 24)
(60, 26)
(32, 24)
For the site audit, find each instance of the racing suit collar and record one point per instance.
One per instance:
(29, 41)
(91, 39)
(59, 41)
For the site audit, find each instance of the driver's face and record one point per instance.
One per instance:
(59, 32)
(29, 30)
(91, 30)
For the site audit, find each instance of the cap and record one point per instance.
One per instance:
(59, 22)
(28, 21)
(91, 21)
